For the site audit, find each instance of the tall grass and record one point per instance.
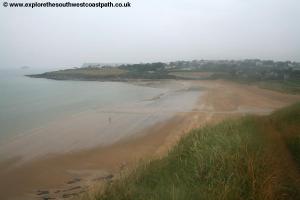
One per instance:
(287, 122)
(231, 160)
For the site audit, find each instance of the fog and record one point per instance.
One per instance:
(149, 31)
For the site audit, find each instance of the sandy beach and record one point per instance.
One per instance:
(152, 127)
(104, 124)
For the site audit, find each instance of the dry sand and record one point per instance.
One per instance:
(66, 175)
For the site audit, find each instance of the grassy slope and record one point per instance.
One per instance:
(249, 158)
(290, 86)
(83, 73)
(103, 74)
(287, 122)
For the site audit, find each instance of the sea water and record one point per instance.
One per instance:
(40, 116)
(27, 103)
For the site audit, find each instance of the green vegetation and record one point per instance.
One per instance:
(287, 86)
(122, 73)
(287, 122)
(236, 159)
(191, 74)
(279, 76)
(89, 73)
(147, 71)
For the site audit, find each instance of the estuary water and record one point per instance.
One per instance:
(40, 116)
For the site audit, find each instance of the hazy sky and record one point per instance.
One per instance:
(152, 30)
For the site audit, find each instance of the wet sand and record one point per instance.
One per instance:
(105, 125)
(64, 175)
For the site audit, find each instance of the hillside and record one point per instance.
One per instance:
(279, 76)
(253, 157)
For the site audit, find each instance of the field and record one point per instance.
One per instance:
(254, 157)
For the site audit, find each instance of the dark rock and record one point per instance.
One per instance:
(74, 181)
(73, 188)
(69, 195)
(47, 198)
(106, 178)
(42, 192)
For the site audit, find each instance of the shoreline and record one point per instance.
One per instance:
(84, 168)
(105, 124)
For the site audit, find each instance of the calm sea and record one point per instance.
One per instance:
(29, 103)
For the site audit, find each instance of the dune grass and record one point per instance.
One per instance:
(287, 122)
(236, 159)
